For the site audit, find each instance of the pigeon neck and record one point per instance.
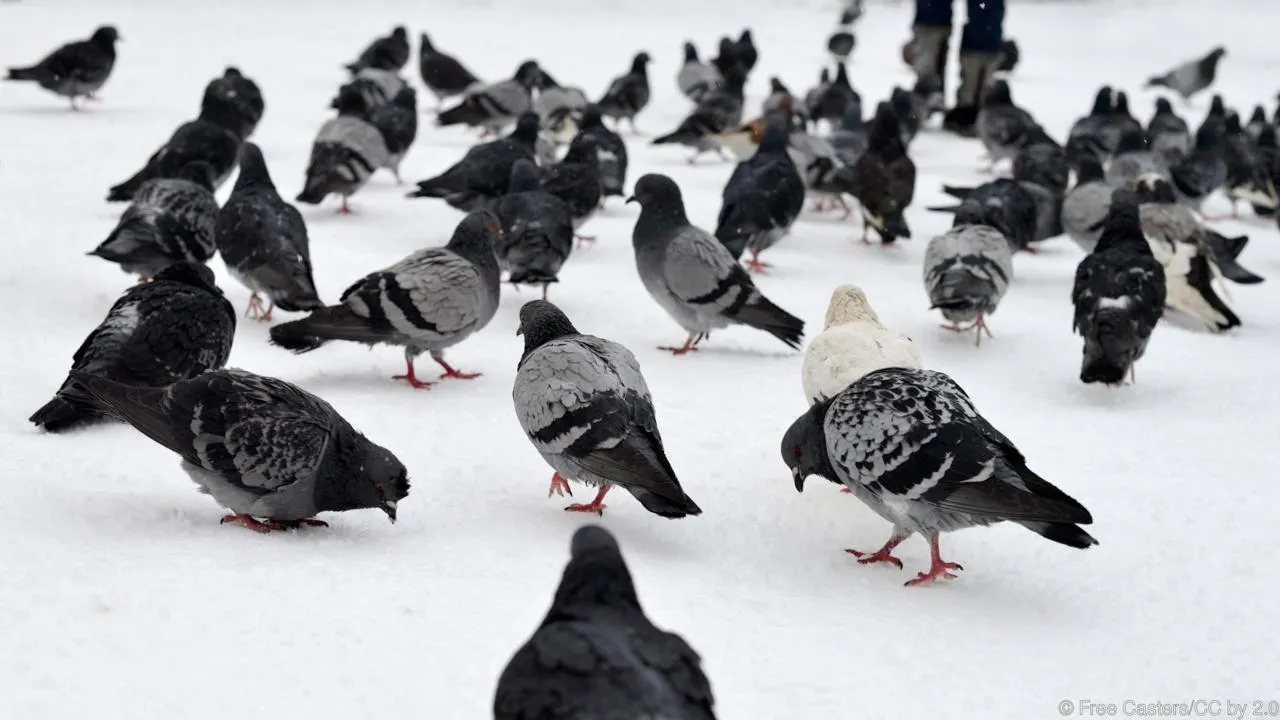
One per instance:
(339, 481)
(657, 223)
(253, 174)
(850, 307)
(545, 330)
(594, 579)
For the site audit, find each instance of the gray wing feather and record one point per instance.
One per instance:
(433, 285)
(358, 136)
(695, 267)
(1083, 208)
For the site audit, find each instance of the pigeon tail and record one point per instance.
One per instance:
(1064, 533)
(1160, 81)
(60, 414)
(132, 235)
(1208, 307)
(336, 322)
(666, 507)
(678, 136)
(466, 113)
(762, 314)
(141, 407)
(34, 74)
(127, 189)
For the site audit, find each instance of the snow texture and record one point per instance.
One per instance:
(124, 598)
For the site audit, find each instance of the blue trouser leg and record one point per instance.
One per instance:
(934, 12)
(984, 28)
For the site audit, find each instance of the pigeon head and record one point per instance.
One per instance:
(727, 48)
(424, 44)
(1089, 169)
(199, 172)
(1217, 108)
(595, 575)
(591, 117)
(640, 62)
(777, 132)
(526, 130)
(1267, 137)
(540, 323)
(218, 106)
(1122, 104)
(745, 37)
(1123, 225)
(1133, 140)
(1153, 188)
(804, 446)
(364, 475)
(776, 86)
(849, 304)
(105, 36)
(1101, 102)
(998, 95)
(232, 72)
(1163, 106)
(525, 176)
(1210, 133)
(690, 52)
(659, 198)
(1211, 60)
(474, 237)
(1232, 124)
(253, 168)
(195, 274)
(406, 97)
(884, 127)
(583, 149)
(970, 212)
(400, 33)
(529, 74)
(350, 101)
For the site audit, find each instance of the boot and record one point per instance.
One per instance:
(975, 70)
(929, 46)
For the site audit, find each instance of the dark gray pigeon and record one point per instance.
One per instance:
(596, 656)
(260, 447)
(1248, 174)
(75, 70)
(883, 178)
(1121, 120)
(692, 275)
(611, 152)
(628, 94)
(911, 445)
(695, 78)
(1170, 138)
(1093, 134)
(430, 301)
(1202, 171)
(1119, 296)
(1190, 77)
(1045, 164)
(263, 241)
(1008, 205)
(174, 327)
(1004, 128)
(537, 230)
(576, 180)
(483, 174)
(717, 111)
(385, 53)
(967, 270)
(495, 106)
(397, 121)
(443, 74)
(584, 405)
(836, 99)
(763, 197)
(346, 151)
(245, 98)
(169, 221)
(211, 138)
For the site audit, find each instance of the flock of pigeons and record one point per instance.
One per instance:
(905, 440)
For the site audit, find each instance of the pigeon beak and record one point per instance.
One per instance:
(520, 330)
(389, 507)
(631, 200)
(799, 478)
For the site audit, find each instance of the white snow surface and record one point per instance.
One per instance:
(123, 597)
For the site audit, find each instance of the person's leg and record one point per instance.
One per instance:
(979, 52)
(930, 37)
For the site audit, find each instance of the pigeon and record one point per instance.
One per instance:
(443, 75)
(1191, 77)
(884, 178)
(1202, 171)
(596, 654)
(1224, 253)
(1170, 138)
(743, 140)
(554, 99)
(1215, 120)
(1248, 177)
(910, 110)
(537, 229)
(814, 96)
(245, 98)
(584, 405)
(485, 171)
(836, 99)
(628, 94)
(718, 110)
(576, 180)
(1003, 128)
(967, 270)
(911, 445)
(611, 152)
(763, 197)
(172, 328)
(1093, 134)
(211, 138)
(497, 105)
(346, 151)
(1045, 164)
(1267, 150)
(169, 221)
(1133, 159)
(691, 274)
(1257, 121)
(397, 122)
(853, 343)
(778, 92)
(75, 70)
(695, 78)
(385, 53)
(1119, 295)
(263, 241)
(430, 301)
(1008, 205)
(1086, 205)
(842, 40)
(1121, 120)
(1177, 241)
(746, 51)
(260, 447)
(851, 139)
(376, 87)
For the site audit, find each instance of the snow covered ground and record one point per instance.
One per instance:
(123, 598)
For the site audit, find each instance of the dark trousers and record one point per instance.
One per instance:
(983, 30)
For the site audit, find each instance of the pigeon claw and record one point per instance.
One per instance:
(413, 381)
(938, 568)
(688, 345)
(559, 486)
(591, 507)
(252, 523)
(879, 556)
(259, 310)
(756, 265)
(452, 372)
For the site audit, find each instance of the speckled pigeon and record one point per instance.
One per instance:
(537, 230)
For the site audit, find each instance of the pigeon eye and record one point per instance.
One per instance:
(799, 451)
(378, 486)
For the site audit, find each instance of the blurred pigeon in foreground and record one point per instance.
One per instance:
(611, 152)
(628, 94)
(586, 408)
(967, 270)
(345, 153)
(1086, 205)
(169, 221)
(385, 53)
(263, 241)
(483, 174)
(693, 277)
(1119, 296)
(853, 343)
(430, 301)
(174, 327)
(1170, 138)
(763, 197)
(910, 444)
(1191, 77)
(260, 447)
(493, 107)
(443, 74)
(537, 229)
(696, 78)
(596, 656)
(77, 69)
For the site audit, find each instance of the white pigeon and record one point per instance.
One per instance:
(852, 344)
